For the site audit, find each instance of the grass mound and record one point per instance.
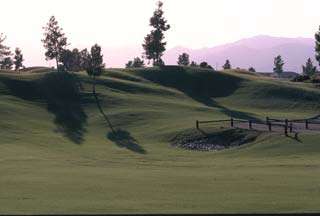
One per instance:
(233, 88)
(200, 84)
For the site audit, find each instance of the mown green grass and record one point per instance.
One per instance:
(44, 170)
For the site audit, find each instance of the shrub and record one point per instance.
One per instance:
(301, 78)
(205, 65)
(315, 79)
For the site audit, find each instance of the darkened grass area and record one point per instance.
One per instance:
(124, 139)
(60, 92)
(200, 85)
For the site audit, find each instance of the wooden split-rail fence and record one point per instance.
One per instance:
(288, 126)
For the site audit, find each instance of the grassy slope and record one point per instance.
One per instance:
(46, 171)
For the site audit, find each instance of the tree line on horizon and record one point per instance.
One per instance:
(55, 42)
(6, 60)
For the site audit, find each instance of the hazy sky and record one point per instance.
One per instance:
(124, 23)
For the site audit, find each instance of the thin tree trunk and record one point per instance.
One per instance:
(99, 106)
(57, 64)
(94, 85)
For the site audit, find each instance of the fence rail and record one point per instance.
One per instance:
(287, 125)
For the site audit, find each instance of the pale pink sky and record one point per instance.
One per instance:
(124, 23)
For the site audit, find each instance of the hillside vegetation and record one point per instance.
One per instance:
(58, 154)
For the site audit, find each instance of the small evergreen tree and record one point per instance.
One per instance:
(278, 65)
(309, 69)
(194, 64)
(227, 65)
(95, 64)
(184, 59)
(136, 63)
(18, 59)
(6, 63)
(129, 64)
(251, 69)
(54, 41)
(205, 65)
(153, 43)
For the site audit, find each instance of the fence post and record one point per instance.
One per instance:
(307, 124)
(286, 130)
(267, 120)
(291, 127)
(231, 122)
(250, 124)
(269, 125)
(197, 124)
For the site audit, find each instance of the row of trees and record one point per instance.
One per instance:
(154, 46)
(56, 44)
(184, 60)
(308, 69)
(6, 60)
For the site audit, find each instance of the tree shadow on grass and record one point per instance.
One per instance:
(123, 139)
(60, 92)
(64, 100)
(120, 137)
(70, 120)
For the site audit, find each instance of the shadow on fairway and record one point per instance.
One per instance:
(70, 120)
(64, 100)
(60, 92)
(120, 137)
(123, 139)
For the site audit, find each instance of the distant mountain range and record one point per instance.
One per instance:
(257, 52)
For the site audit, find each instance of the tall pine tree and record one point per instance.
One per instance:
(153, 45)
(54, 41)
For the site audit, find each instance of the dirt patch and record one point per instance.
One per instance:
(198, 140)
